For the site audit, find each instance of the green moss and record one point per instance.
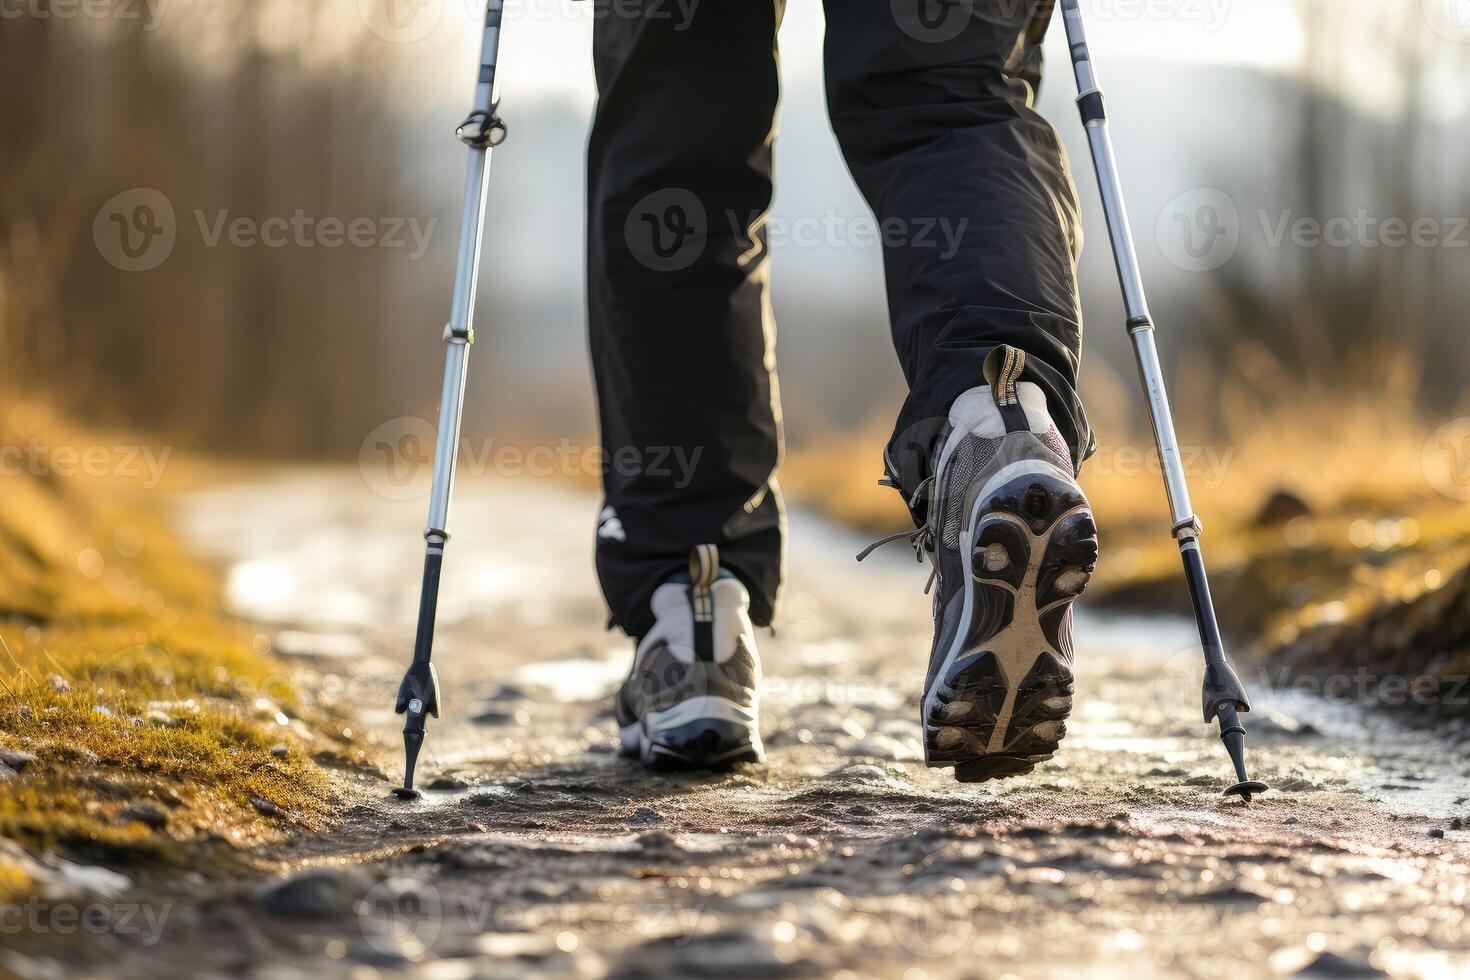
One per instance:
(142, 702)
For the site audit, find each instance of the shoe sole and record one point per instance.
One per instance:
(701, 733)
(1001, 710)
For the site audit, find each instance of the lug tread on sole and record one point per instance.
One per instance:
(972, 694)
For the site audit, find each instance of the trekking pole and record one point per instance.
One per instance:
(1224, 696)
(418, 695)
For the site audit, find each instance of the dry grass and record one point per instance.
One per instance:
(1326, 451)
(151, 714)
(1378, 532)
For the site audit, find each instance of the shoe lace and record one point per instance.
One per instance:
(920, 539)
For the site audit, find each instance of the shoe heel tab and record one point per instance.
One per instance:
(1003, 368)
(704, 565)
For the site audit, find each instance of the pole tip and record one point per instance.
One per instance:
(1245, 790)
(412, 741)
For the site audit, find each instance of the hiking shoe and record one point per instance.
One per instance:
(1014, 544)
(691, 699)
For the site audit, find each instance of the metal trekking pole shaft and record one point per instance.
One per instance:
(418, 695)
(1223, 694)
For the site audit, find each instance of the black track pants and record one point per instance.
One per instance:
(932, 105)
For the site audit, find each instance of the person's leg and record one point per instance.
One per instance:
(932, 103)
(933, 107)
(679, 181)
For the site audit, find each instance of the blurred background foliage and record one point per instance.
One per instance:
(1309, 109)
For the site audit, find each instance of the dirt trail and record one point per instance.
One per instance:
(551, 856)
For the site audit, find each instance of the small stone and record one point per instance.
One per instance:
(1456, 823)
(267, 807)
(73, 754)
(1279, 508)
(1332, 965)
(1436, 832)
(379, 951)
(1291, 820)
(110, 788)
(1296, 784)
(16, 760)
(657, 840)
(316, 894)
(885, 747)
(446, 782)
(59, 684)
(279, 750)
(645, 815)
(146, 814)
(6, 773)
(493, 716)
(861, 773)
